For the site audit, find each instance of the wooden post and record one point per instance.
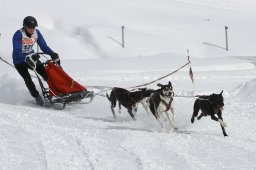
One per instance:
(226, 33)
(123, 36)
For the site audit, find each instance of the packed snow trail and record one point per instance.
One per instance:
(87, 137)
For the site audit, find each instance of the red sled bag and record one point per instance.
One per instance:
(60, 83)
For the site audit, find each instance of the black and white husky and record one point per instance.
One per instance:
(127, 99)
(161, 102)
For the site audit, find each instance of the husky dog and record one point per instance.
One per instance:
(161, 101)
(127, 99)
(210, 106)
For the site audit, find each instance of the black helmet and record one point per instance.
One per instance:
(30, 22)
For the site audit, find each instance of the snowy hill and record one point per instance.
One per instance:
(83, 29)
(246, 91)
(87, 34)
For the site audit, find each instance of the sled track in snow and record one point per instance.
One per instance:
(138, 161)
(85, 153)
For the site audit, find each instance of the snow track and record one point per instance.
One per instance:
(75, 139)
(87, 136)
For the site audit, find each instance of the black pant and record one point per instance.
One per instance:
(23, 71)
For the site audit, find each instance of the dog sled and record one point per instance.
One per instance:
(62, 89)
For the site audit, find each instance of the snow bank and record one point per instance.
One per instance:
(13, 90)
(246, 91)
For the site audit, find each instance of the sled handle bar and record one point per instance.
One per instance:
(42, 53)
(46, 62)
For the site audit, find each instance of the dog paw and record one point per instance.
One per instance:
(192, 120)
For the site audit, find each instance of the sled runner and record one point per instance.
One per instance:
(62, 88)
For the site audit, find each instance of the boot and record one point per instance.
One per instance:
(39, 101)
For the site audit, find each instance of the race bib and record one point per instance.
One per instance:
(28, 43)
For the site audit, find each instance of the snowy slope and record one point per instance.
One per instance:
(158, 33)
(83, 29)
(246, 91)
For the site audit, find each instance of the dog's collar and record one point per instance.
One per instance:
(164, 97)
(172, 94)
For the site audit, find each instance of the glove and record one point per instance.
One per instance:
(32, 59)
(55, 57)
(35, 57)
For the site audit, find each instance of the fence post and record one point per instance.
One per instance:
(226, 33)
(0, 38)
(123, 36)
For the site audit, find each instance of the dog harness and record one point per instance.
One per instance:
(132, 100)
(168, 105)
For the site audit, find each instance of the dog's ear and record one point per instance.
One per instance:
(221, 92)
(160, 85)
(169, 84)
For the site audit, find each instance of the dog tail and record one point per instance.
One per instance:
(196, 108)
(112, 98)
(108, 96)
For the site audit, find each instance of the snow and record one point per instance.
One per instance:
(246, 91)
(157, 35)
